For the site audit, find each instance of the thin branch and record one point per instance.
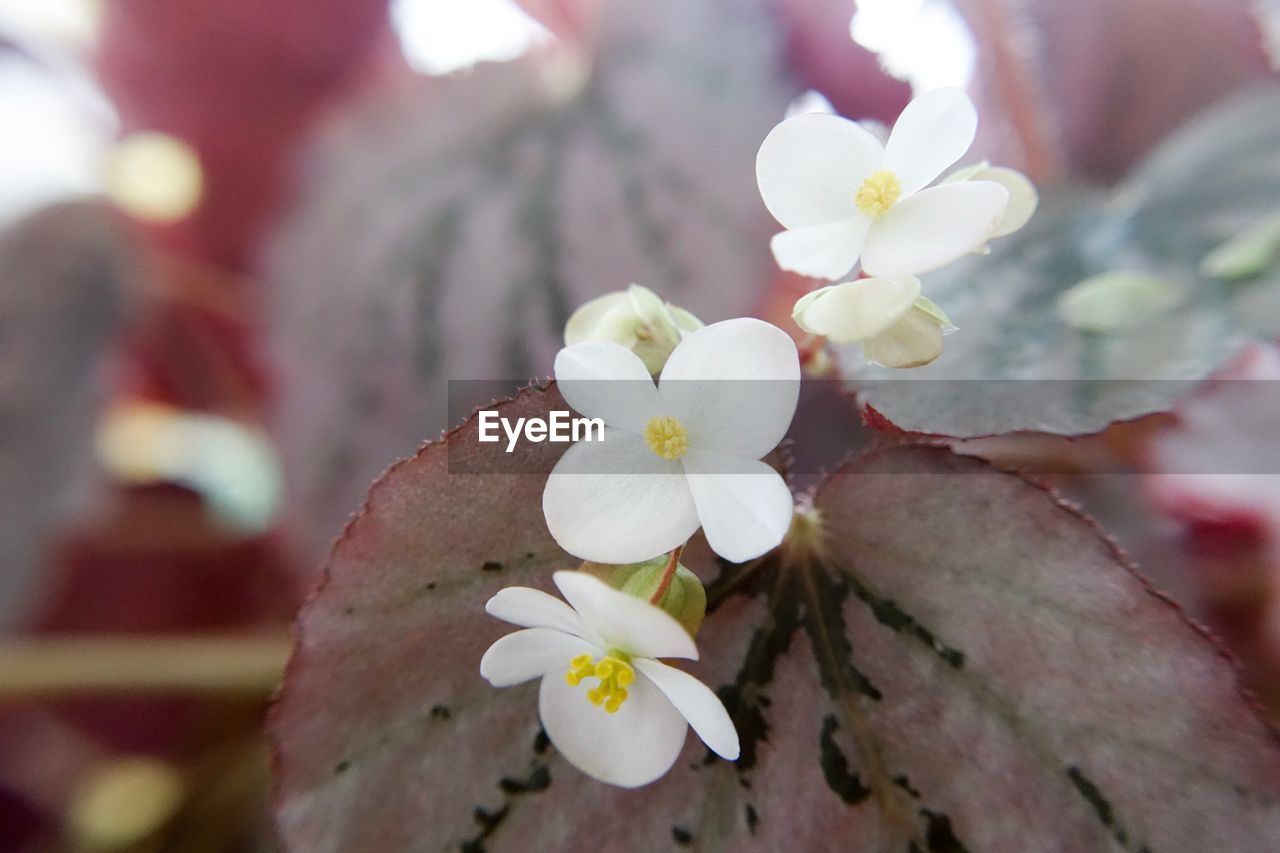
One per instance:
(55, 666)
(668, 573)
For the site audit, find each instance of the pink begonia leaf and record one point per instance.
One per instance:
(450, 232)
(960, 662)
(244, 83)
(822, 53)
(1088, 87)
(1220, 464)
(1216, 178)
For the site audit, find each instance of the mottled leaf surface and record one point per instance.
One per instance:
(962, 663)
(451, 232)
(1030, 371)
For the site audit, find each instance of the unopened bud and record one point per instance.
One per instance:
(685, 599)
(637, 319)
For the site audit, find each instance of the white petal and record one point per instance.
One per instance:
(734, 386)
(533, 608)
(825, 251)
(530, 653)
(616, 501)
(696, 703)
(744, 505)
(602, 379)
(810, 167)
(1023, 197)
(857, 310)
(624, 621)
(630, 748)
(933, 132)
(933, 227)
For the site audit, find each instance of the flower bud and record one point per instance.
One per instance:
(896, 326)
(913, 341)
(685, 599)
(637, 319)
(1247, 254)
(856, 311)
(1116, 300)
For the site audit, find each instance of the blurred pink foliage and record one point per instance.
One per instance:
(1087, 87)
(1217, 471)
(1074, 91)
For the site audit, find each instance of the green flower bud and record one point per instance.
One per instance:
(635, 318)
(1114, 301)
(1247, 254)
(685, 599)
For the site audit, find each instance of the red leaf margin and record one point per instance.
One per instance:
(1117, 552)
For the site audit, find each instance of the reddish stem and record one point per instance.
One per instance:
(670, 572)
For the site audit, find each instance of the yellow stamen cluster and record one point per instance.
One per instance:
(666, 437)
(614, 674)
(878, 193)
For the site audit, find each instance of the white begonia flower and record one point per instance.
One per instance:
(844, 196)
(679, 456)
(610, 707)
(896, 326)
(1023, 197)
(635, 318)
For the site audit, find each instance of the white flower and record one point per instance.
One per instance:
(842, 195)
(679, 455)
(896, 326)
(634, 318)
(1023, 197)
(609, 706)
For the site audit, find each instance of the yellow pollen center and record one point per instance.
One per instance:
(666, 437)
(613, 673)
(878, 193)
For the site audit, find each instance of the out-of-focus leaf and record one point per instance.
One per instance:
(822, 53)
(26, 830)
(574, 21)
(154, 560)
(62, 275)
(956, 662)
(1032, 372)
(1216, 471)
(1220, 464)
(450, 234)
(1092, 85)
(242, 82)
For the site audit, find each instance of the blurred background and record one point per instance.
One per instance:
(244, 245)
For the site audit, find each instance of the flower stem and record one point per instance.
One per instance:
(670, 572)
(810, 346)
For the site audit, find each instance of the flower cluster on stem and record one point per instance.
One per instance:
(686, 452)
